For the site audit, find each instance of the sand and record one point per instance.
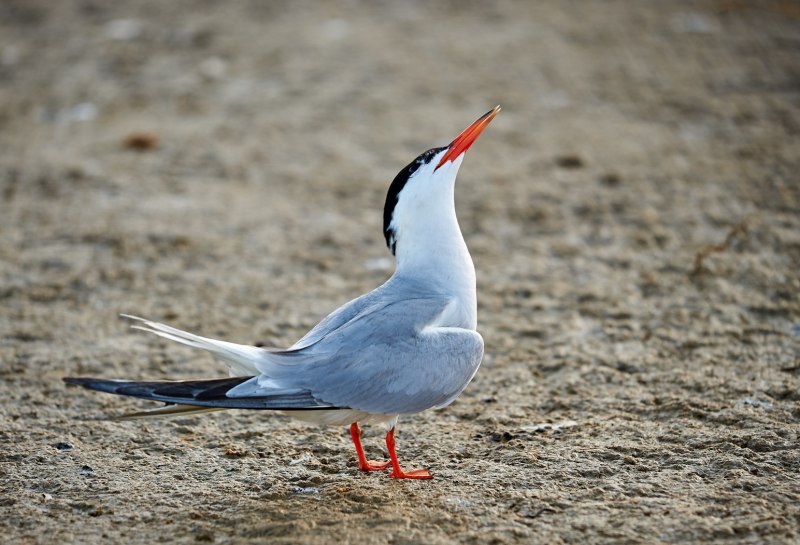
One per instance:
(633, 214)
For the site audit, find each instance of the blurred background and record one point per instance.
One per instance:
(633, 214)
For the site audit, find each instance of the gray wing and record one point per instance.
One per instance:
(390, 357)
(335, 320)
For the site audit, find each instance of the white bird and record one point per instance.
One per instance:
(407, 346)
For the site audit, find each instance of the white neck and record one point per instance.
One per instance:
(429, 246)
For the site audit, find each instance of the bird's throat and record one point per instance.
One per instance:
(432, 252)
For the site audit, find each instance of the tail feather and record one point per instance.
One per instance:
(198, 396)
(203, 393)
(241, 359)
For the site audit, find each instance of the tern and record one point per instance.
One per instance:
(409, 345)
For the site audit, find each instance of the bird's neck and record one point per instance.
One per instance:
(431, 251)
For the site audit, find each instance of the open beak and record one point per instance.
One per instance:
(467, 137)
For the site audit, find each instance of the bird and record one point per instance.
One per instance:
(409, 345)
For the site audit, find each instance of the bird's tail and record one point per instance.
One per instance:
(241, 359)
(196, 396)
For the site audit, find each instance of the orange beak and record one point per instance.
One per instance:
(467, 137)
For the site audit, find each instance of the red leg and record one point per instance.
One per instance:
(363, 463)
(398, 473)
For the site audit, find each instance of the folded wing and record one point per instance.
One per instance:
(391, 358)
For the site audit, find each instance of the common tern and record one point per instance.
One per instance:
(407, 346)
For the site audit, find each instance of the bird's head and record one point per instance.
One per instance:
(423, 190)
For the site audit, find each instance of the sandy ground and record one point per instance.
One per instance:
(640, 385)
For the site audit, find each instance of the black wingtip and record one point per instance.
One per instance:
(80, 381)
(202, 393)
(99, 384)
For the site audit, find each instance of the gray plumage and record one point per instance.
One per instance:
(390, 352)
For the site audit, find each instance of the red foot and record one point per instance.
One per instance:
(363, 463)
(372, 465)
(398, 473)
(413, 474)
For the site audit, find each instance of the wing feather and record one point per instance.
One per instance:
(387, 359)
(204, 393)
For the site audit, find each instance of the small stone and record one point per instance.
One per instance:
(569, 161)
(610, 179)
(141, 141)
